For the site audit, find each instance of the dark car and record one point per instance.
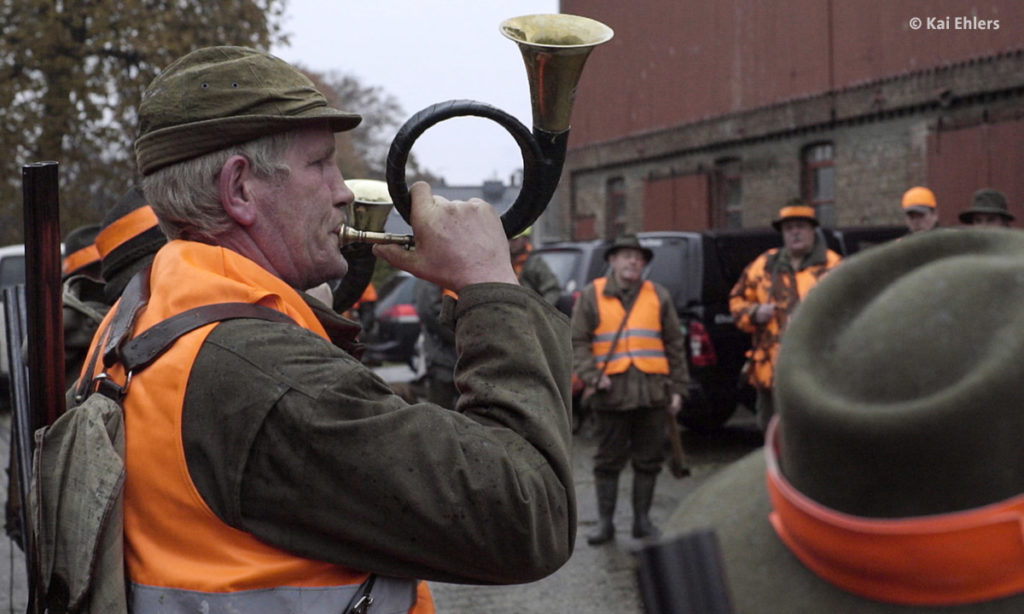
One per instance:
(12, 273)
(396, 325)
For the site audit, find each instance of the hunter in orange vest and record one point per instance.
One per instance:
(533, 273)
(267, 469)
(629, 351)
(770, 289)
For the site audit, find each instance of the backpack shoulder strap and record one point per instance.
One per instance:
(133, 299)
(137, 353)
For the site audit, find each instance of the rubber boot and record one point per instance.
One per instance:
(643, 495)
(607, 491)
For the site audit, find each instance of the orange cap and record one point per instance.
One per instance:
(918, 196)
(795, 212)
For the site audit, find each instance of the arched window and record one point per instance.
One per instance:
(615, 211)
(727, 210)
(819, 180)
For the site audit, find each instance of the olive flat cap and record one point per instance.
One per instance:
(217, 97)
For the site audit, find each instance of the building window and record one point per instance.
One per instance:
(819, 181)
(615, 199)
(727, 211)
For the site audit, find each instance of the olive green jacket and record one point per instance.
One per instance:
(295, 441)
(537, 276)
(634, 388)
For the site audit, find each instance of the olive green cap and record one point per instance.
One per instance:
(628, 242)
(987, 200)
(217, 97)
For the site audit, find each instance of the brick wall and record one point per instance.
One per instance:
(879, 132)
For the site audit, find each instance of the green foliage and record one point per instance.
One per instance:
(72, 75)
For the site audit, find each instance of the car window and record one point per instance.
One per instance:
(670, 267)
(562, 263)
(598, 266)
(12, 271)
(402, 291)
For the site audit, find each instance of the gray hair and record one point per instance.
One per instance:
(186, 196)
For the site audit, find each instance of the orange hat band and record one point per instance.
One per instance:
(80, 259)
(796, 211)
(943, 559)
(124, 229)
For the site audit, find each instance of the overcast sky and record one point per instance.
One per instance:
(423, 52)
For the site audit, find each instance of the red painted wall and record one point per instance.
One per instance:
(677, 203)
(954, 181)
(675, 62)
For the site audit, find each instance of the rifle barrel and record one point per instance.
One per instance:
(43, 288)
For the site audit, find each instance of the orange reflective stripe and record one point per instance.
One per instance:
(124, 228)
(943, 559)
(80, 259)
(640, 343)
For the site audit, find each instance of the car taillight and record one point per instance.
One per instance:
(575, 296)
(702, 353)
(400, 313)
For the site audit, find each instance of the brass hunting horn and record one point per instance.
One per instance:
(554, 48)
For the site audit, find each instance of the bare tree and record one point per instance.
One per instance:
(382, 115)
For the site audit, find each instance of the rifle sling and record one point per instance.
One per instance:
(618, 333)
(133, 299)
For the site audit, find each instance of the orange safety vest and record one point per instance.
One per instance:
(369, 295)
(640, 343)
(177, 551)
(520, 259)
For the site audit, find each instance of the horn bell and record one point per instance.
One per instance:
(554, 48)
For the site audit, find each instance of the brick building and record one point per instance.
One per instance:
(712, 114)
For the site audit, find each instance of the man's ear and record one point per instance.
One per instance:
(236, 194)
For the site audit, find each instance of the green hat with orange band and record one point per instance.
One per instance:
(82, 257)
(892, 479)
(128, 240)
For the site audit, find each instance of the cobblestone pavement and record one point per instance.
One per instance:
(596, 579)
(603, 579)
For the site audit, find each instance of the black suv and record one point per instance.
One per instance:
(699, 269)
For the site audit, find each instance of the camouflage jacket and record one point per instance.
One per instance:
(770, 278)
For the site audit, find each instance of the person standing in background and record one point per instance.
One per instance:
(920, 209)
(533, 273)
(629, 351)
(769, 291)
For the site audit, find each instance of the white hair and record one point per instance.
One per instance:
(186, 196)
